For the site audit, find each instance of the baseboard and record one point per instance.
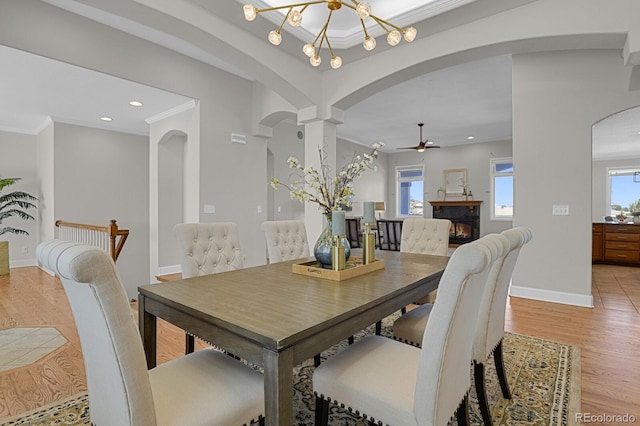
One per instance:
(168, 270)
(552, 296)
(22, 263)
(53, 274)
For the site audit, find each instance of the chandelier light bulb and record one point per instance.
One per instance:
(295, 18)
(394, 37)
(275, 38)
(315, 60)
(336, 62)
(410, 34)
(369, 43)
(309, 49)
(250, 12)
(363, 10)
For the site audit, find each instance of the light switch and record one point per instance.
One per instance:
(560, 210)
(259, 209)
(209, 208)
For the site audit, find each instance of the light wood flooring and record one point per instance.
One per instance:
(608, 334)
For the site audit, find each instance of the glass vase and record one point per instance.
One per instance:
(322, 248)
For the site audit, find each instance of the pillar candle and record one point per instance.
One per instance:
(338, 223)
(369, 212)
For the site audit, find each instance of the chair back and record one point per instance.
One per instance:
(425, 236)
(443, 373)
(115, 364)
(208, 248)
(490, 326)
(286, 240)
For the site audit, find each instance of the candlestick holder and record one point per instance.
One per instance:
(368, 246)
(337, 253)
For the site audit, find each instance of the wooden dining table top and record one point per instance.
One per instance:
(276, 308)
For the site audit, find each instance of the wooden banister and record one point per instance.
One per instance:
(87, 234)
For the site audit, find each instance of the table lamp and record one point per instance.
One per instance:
(379, 208)
(369, 220)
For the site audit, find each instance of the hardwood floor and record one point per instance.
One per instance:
(608, 334)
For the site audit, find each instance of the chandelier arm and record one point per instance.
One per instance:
(381, 21)
(329, 45)
(284, 20)
(306, 3)
(364, 29)
(323, 31)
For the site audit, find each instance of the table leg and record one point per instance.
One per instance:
(147, 324)
(278, 387)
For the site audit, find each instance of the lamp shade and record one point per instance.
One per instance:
(379, 206)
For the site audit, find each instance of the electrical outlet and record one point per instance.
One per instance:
(259, 209)
(25, 250)
(560, 210)
(209, 208)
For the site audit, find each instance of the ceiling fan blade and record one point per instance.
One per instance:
(431, 146)
(411, 147)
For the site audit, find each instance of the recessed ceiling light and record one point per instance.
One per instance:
(470, 138)
(135, 103)
(105, 118)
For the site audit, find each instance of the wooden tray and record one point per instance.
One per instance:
(353, 268)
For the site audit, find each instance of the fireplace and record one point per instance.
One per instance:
(464, 217)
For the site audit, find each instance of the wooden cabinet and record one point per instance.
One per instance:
(597, 242)
(621, 243)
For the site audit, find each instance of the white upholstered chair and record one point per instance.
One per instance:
(426, 236)
(203, 388)
(207, 248)
(389, 382)
(490, 326)
(286, 240)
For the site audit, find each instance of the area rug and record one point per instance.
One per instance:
(544, 377)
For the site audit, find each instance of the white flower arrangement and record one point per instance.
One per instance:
(330, 193)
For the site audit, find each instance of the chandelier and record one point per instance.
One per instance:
(363, 10)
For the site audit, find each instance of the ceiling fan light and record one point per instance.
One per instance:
(336, 62)
(369, 43)
(429, 142)
(309, 49)
(410, 34)
(363, 10)
(250, 12)
(295, 18)
(315, 60)
(421, 149)
(275, 37)
(394, 37)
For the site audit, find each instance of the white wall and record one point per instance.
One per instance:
(599, 185)
(475, 158)
(557, 97)
(18, 159)
(102, 175)
(282, 145)
(372, 184)
(45, 172)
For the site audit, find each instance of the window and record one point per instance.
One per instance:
(502, 189)
(409, 190)
(624, 191)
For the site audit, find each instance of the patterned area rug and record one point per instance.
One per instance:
(544, 377)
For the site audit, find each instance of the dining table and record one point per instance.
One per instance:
(275, 318)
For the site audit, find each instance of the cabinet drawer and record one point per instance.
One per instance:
(596, 228)
(621, 245)
(622, 229)
(632, 238)
(622, 256)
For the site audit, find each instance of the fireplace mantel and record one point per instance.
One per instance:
(460, 203)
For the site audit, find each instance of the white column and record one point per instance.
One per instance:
(320, 133)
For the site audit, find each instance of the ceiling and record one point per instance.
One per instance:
(472, 99)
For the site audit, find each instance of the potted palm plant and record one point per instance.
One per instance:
(14, 203)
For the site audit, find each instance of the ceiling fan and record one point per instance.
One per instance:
(426, 144)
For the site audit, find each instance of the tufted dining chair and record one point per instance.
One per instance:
(490, 326)
(389, 382)
(207, 248)
(206, 387)
(426, 236)
(286, 240)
